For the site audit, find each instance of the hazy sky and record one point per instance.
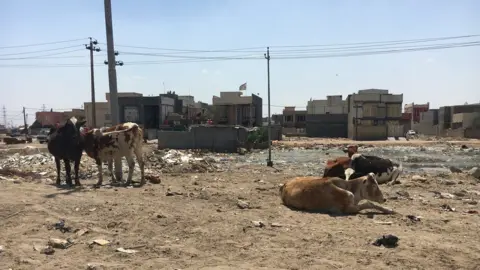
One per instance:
(441, 77)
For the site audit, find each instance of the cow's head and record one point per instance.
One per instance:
(90, 139)
(350, 168)
(337, 167)
(370, 189)
(350, 149)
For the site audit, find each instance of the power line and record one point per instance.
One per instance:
(189, 59)
(46, 56)
(41, 44)
(40, 51)
(261, 49)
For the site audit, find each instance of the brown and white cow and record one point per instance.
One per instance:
(124, 140)
(333, 195)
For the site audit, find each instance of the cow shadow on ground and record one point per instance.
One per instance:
(369, 214)
(65, 190)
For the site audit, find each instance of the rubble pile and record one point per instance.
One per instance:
(175, 161)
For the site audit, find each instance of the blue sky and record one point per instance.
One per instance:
(441, 77)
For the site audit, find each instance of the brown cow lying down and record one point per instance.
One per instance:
(333, 195)
(124, 140)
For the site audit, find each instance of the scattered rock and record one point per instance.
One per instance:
(419, 178)
(100, 242)
(472, 211)
(81, 232)
(59, 243)
(475, 172)
(414, 218)
(154, 179)
(242, 151)
(1, 249)
(259, 224)
(172, 193)
(129, 251)
(243, 204)
(449, 182)
(388, 241)
(454, 169)
(48, 250)
(448, 208)
(403, 193)
(276, 225)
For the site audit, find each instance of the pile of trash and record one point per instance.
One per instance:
(42, 165)
(176, 161)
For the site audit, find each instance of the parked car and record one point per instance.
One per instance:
(42, 136)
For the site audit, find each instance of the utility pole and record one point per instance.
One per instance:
(25, 121)
(4, 116)
(411, 118)
(43, 107)
(92, 47)
(269, 160)
(112, 78)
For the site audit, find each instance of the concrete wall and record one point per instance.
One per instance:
(217, 138)
(467, 119)
(472, 133)
(327, 125)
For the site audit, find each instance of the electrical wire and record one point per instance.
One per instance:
(41, 44)
(46, 56)
(40, 51)
(327, 53)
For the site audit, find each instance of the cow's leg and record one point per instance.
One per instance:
(395, 175)
(100, 172)
(68, 171)
(141, 164)
(110, 169)
(354, 209)
(76, 166)
(57, 164)
(131, 167)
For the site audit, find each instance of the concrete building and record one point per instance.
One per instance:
(331, 105)
(150, 112)
(416, 109)
(77, 113)
(374, 114)
(327, 118)
(102, 109)
(49, 118)
(232, 108)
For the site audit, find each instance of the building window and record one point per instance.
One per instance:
(288, 118)
(300, 118)
(107, 117)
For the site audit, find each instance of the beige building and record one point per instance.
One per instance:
(331, 105)
(232, 108)
(374, 114)
(102, 110)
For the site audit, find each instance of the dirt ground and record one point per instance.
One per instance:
(196, 221)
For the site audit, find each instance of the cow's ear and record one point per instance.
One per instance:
(365, 180)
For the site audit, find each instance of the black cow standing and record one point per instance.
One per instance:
(66, 143)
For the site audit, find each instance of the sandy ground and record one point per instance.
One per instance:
(194, 221)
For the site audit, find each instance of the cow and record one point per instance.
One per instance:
(345, 168)
(385, 170)
(66, 143)
(124, 140)
(333, 195)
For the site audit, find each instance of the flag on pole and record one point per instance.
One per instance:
(243, 87)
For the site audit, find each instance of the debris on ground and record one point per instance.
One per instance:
(388, 241)
(475, 172)
(61, 226)
(454, 169)
(243, 204)
(414, 218)
(47, 250)
(129, 251)
(447, 207)
(259, 224)
(100, 242)
(60, 243)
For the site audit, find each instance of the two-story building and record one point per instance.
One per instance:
(374, 114)
(232, 108)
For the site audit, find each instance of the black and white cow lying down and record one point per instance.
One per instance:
(384, 169)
